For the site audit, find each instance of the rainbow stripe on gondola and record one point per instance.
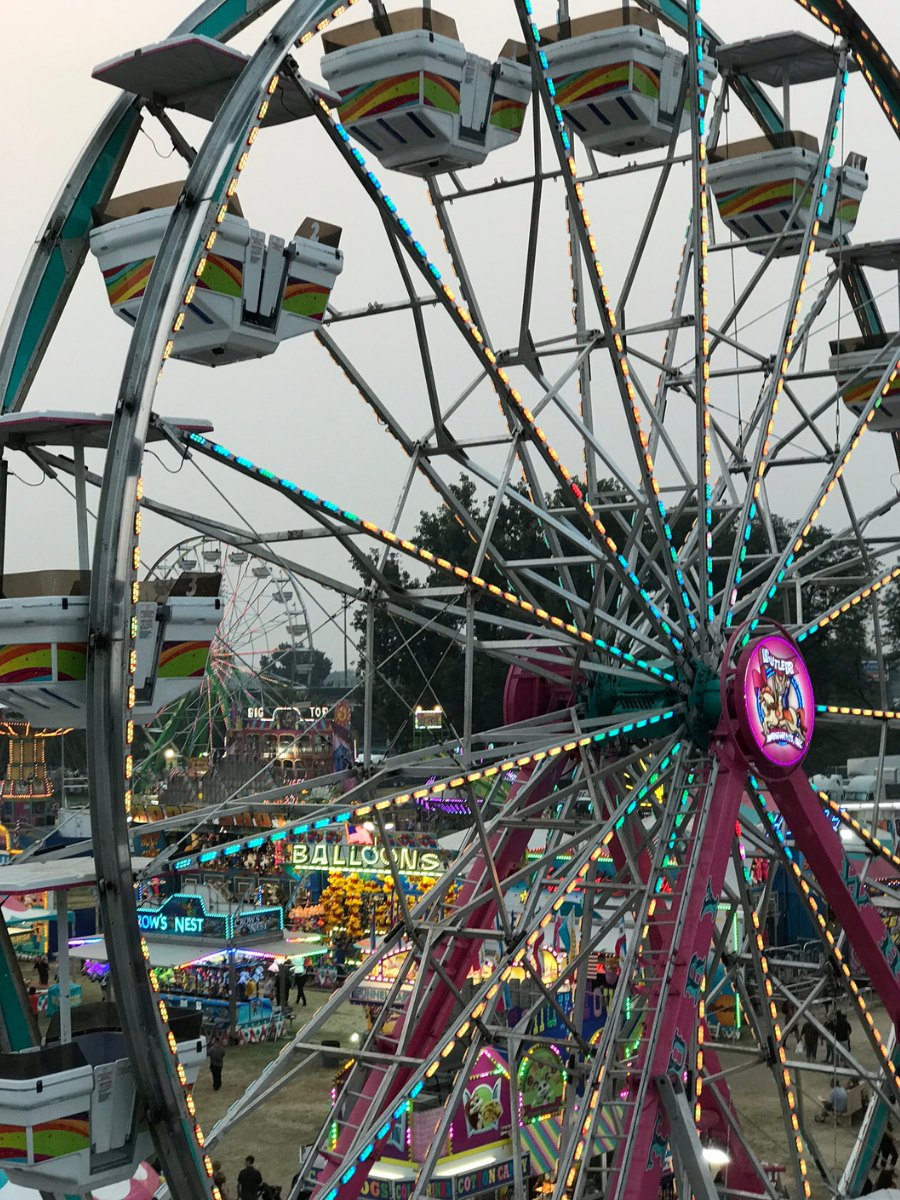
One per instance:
(440, 92)
(26, 664)
(183, 660)
(71, 661)
(382, 96)
(848, 210)
(605, 81)
(128, 282)
(305, 299)
(222, 275)
(51, 1139)
(859, 394)
(780, 193)
(33, 662)
(508, 114)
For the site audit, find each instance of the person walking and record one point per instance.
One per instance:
(788, 1008)
(43, 970)
(887, 1150)
(215, 1055)
(301, 980)
(830, 1040)
(810, 1035)
(219, 1179)
(842, 1029)
(249, 1180)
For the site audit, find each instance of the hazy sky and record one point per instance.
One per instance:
(294, 412)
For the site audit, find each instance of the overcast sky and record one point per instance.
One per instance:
(294, 412)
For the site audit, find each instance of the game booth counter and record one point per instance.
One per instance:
(476, 1153)
(217, 959)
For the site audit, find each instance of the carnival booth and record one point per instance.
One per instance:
(763, 184)
(214, 959)
(251, 294)
(476, 1157)
(621, 88)
(296, 743)
(413, 95)
(320, 857)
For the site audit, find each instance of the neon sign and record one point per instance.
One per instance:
(185, 915)
(367, 859)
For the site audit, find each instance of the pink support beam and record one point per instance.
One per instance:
(841, 886)
(457, 959)
(678, 993)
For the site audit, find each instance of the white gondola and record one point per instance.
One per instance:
(44, 634)
(238, 557)
(618, 82)
(296, 630)
(252, 294)
(281, 597)
(212, 556)
(260, 572)
(188, 564)
(758, 182)
(417, 99)
(868, 355)
(69, 1121)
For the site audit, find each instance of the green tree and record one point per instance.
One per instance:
(417, 666)
(289, 666)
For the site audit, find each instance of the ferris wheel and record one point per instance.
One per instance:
(678, 431)
(261, 654)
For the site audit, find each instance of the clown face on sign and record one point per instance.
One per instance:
(778, 697)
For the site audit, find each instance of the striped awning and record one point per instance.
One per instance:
(541, 1139)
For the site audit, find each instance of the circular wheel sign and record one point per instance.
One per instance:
(776, 700)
